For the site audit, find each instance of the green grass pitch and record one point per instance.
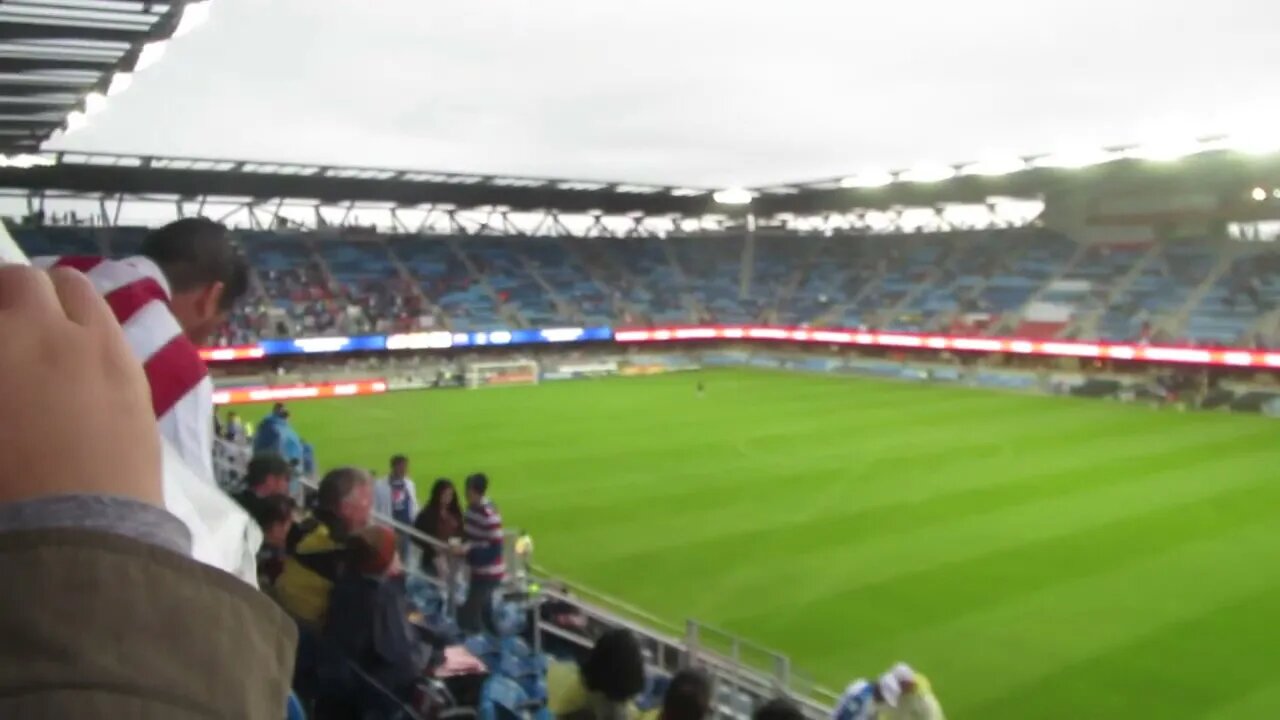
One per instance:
(1036, 557)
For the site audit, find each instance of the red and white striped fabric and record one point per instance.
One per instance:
(181, 391)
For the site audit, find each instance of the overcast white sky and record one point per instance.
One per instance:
(702, 92)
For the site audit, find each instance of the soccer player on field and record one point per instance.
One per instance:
(169, 300)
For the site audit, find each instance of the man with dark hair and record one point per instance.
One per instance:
(274, 515)
(206, 273)
(169, 299)
(778, 709)
(318, 545)
(394, 498)
(267, 475)
(482, 527)
(688, 697)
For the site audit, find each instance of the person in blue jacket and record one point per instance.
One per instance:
(275, 435)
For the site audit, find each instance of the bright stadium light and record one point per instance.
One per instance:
(1259, 194)
(867, 179)
(1073, 159)
(1253, 143)
(150, 55)
(1164, 150)
(995, 166)
(94, 103)
(75, 121)
(25, 161)
(926, 173)
(194, 14)
(119, 83)
(733, 196)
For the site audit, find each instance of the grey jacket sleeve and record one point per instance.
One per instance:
(103, 513)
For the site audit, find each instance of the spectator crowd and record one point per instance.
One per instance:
(90, 503)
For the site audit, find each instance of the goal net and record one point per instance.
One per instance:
(510, 372)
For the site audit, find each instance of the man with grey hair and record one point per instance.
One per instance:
(318, 547)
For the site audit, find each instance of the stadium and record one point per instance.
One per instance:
(1011, 422)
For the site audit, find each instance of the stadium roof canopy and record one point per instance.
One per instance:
(108, 174)
(1218, 165)
(60, 59)
(1239, 173)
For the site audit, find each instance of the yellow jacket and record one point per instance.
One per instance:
(309, 571)
(919, 704)
(568, 697)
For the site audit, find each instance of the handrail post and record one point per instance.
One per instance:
(782, 671)
(691, 643)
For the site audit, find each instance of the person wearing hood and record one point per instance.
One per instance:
(916, 700)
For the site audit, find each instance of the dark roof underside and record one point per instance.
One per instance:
(107, 174)
(53, 53)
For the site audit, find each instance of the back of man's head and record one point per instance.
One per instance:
(688, 696)
(615, 667)
(207, 274)
(264, 467)
(477, 485)
(778, 709)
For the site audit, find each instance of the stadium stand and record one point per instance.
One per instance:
(1026, 282)
(529, 660)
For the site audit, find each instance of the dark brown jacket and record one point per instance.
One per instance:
(96, 625)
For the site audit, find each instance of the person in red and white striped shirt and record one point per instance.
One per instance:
(169, 300)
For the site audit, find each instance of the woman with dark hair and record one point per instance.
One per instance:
(440, 518)
(602, 687)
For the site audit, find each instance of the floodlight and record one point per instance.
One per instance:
(991, 167)
(867, 179)
(150, 55)
(877, 220)
(75, 121)
(733, 196)
(1259, 194)
(194, 14)
(25, 160)
(1073, 159)
(94, 103)
(1253, 143)
(1165, 150)
(119, 83)
(926, 172)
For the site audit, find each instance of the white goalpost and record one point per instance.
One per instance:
(508, 372)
